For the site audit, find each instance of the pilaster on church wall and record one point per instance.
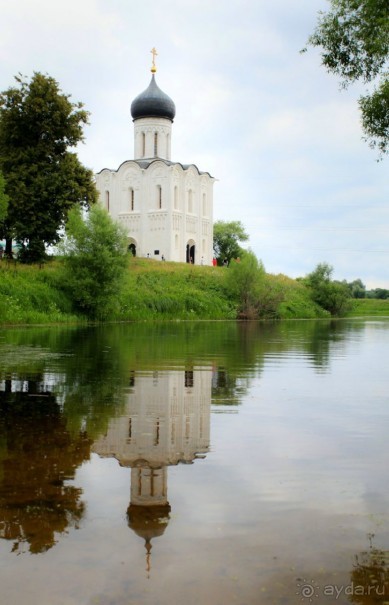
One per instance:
(156, 224)
(129, 177)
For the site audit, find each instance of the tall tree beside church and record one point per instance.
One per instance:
(353, 36)
(226, 238)
(38, 125)
(3, 201)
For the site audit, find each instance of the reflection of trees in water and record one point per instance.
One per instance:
(370, 577)
(90, 372)
(85, 371)
(91, 367)
(227, 389)
(317, 339)
(92, 364)
(37, 457)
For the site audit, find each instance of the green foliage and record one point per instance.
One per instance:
(95, 260)
(354, 38)
(357, 288)
(29, 295)
(3, 201)
(155, 291)
(243, 282)
(170, 291)
(297, 302)
(256, 294)
(226, 238)
(375, 117)
(333, 296)
(380, 293)
(38, 123)
(367, 307)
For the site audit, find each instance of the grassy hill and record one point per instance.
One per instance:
(152, 291)
(370, 307)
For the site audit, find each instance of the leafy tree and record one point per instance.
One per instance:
(226, 238)
(357, 288)
(354, 38)
(381, 293)
(331, 295)
(38, 123)
(95, 259)
(248, 284)
(243, 280)
(3, 200)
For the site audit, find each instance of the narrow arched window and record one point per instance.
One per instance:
(155, 144)
(159, 196)
(190, 200)
(107, 200)
(204, 205)
(143, 144)
(176, 198)
(132, 200)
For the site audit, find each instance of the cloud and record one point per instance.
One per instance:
(269, 123)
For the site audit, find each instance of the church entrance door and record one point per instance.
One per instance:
(190, 252)
(132, 249)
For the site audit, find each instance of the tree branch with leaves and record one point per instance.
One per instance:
(353, 36)
(226, 238)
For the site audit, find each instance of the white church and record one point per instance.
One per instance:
(165, 206)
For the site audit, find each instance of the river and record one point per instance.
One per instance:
(209, 462)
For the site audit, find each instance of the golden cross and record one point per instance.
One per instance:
(154, 53)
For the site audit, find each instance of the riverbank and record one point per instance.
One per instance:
(153, 291)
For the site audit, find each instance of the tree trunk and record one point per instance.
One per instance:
(8, 247)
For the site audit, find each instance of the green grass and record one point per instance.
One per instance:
(369, 307)
(30, 295)
(152, 291)
(297, 303)
(163, 290)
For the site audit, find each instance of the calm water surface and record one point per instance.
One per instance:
(188, 463)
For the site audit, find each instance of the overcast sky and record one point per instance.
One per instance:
(270, 124)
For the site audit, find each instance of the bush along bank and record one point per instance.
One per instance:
(150, 290)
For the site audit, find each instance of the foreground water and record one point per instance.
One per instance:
(212, 463)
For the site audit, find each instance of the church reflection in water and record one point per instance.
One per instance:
(167, 422)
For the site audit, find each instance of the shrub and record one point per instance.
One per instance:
(95, 260)
(331, 295)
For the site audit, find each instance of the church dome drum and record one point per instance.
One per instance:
(153, 103)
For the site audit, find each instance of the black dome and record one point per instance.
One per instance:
(153, 103)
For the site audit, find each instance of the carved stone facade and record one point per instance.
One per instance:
(166, 207)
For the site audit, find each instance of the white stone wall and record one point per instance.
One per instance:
(163, 208)
(145, 143)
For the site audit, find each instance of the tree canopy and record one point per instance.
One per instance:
(38, 124)
(3, 199)
(226, 238)
(354, 39)
(95, 259)
(331, 295)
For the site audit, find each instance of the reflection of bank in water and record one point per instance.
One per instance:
(38, 456)
(167, 422)
(369, 579)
